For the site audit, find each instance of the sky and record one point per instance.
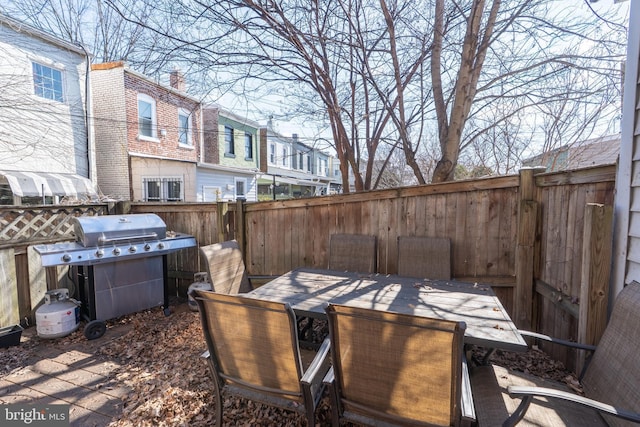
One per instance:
(317, 133)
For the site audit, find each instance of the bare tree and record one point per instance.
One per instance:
(99, 29)
(524, 55)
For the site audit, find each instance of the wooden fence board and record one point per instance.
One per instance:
(9, 309)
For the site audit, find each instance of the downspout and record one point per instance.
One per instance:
(88, 122)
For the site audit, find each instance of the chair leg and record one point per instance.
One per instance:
(218, 392)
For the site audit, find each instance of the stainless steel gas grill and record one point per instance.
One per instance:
(119, 265)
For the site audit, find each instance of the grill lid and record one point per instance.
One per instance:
(110, 229)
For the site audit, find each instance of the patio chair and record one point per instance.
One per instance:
(226, 268)
(353, 252)
(611, 381)
(397, 369)
(254, 353)
(424, 257)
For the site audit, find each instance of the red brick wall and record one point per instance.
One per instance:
(211, 151)
(167, 105)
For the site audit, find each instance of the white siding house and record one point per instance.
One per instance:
(45, 143)
(627, 203)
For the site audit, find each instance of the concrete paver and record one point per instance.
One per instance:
(72, 375)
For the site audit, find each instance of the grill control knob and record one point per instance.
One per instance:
(147, 247)
(116, 251)
(66, 257)
(99, 253)
(132, 249)
(160, 245)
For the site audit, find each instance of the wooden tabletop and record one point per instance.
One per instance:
(309, 290)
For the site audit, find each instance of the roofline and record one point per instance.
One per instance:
(22, 27)
(232, 169)
(122, 64)
(231, 115)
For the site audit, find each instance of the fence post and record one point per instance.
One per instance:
(527, 223)
(239, 224)
(597, 249)
(223, 224)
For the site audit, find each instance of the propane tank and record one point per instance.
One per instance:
(58, 316)
(201, 283)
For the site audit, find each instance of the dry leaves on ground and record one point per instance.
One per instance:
(159, 361)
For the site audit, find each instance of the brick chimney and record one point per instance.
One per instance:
(177, 80)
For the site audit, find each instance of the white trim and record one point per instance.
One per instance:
(622, 202)
(154, 118)
(187, 114)
(238, 170)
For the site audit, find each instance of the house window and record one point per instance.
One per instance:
(184, 128)
(146, 116)
(308, 163)
(153, 190)
(47, 82)
(323, 170)
(229, 143)
(162, 189)
(272, 154)
(248, 146)
(284, 156)
(241, 188)
(301, 161)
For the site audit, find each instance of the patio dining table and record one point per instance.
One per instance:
(307, 291)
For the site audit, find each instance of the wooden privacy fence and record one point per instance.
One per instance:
(543, 241)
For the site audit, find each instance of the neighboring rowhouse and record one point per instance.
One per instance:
(46, 145)
(147, 135)
(230, 157)
(582, 154)
(292, 169)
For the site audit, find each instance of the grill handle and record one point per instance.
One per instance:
(126, 238)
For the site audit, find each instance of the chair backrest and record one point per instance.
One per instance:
(396, 368)
(252, 343)
(424, 257)
(353, 252)
(225, 267)
(613, 375)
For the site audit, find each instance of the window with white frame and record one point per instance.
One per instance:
(146, 116)
(248, 146)
(47, 82)
(272, 154)
(184, 128)
(285, 156)
(323, 169)
(301, 161)
(163, 189)
(308, 163)
(229, 142)
(241, 188)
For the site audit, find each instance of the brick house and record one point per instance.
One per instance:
(147, 135)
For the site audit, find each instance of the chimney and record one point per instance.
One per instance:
(177, 80)
(294, 136)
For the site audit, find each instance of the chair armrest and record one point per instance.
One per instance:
(329, 378)
(558, 341)
(311, 380)
(528, 393)
(319, 365)
(467, 408)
